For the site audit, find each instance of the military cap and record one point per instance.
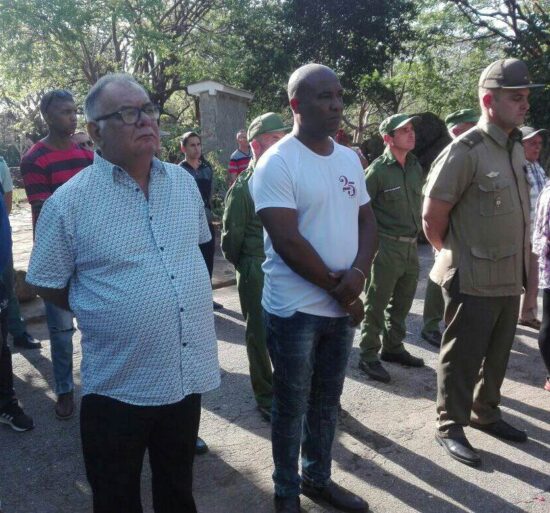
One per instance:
(266, 124)
(506, 74)
(528, 131)
(394, 122)
(461, 116)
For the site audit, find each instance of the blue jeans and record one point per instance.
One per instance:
(60, 326)
(309, 355)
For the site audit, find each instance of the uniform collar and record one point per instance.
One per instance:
(498, 135)
(389, 158)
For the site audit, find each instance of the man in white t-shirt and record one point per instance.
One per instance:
(320, 238)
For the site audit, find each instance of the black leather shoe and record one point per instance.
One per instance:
(459, 448)
(501, 429)
(64, 407)
(336, 496)
(404, 358)
(432, 337)
(26, 341)
(287, 504)
(374, 370)
(200, 446)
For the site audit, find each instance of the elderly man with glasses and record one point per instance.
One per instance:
(112, 247)
(47, 165)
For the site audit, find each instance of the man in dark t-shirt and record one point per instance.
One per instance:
(46, 166)
(202, 172)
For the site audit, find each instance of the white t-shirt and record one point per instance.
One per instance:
(327, 192)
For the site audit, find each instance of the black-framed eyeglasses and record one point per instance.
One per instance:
(131, 115)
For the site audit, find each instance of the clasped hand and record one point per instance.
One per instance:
(349, 286)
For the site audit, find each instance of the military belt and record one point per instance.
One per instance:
(410, 240)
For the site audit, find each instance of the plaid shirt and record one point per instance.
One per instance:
(537, 179)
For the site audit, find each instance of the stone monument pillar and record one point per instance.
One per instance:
(222, 113)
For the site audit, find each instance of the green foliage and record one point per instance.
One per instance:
(61, 43)
(520, 29)
(391, 55)
(219, 185)
(352, 37)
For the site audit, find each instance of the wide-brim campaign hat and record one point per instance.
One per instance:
(506, 74)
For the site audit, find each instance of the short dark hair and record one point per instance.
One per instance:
(187, 135)
(54, 94)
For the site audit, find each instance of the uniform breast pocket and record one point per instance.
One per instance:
(495, 198)
(393, 193)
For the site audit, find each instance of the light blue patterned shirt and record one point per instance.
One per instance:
(138, 284)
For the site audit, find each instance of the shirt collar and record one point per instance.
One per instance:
(185, 164)
(119, 174)
(498, 135)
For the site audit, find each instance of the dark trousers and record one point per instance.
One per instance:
(115, 436)
(16, 326)
(207, 250)
(473, 357)
(544, 333)
(6, 372)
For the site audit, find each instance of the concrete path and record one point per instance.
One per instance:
(384, 448)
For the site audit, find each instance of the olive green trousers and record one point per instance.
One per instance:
(250, 282)
(433, 307)
(474, 355)
(389, 296)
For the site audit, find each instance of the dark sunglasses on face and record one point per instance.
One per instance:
(131, 115)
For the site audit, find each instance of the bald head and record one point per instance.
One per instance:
(305, 77)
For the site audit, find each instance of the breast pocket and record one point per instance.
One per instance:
(393, 193)
(495, 198)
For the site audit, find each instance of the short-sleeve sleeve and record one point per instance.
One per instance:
(52, 261)
(364, 197)
(272, 184)
(451, 174)
(5, 176)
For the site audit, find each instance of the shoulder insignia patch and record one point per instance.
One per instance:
(472, 138)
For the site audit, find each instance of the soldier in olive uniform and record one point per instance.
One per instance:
(476, 216)
(394, 183)
(457, 123)
(242, 244)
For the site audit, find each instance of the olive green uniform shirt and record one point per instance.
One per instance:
(242, 230)
(481, 174)
(396, 194)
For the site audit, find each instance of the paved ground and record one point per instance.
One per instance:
(384, 448)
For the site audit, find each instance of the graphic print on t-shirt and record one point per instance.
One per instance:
(349, 186)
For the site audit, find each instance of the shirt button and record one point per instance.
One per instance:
(162, 248)
(184, 344)
(137, 189)
(150, 218)
(172, 276)
(181, 309)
